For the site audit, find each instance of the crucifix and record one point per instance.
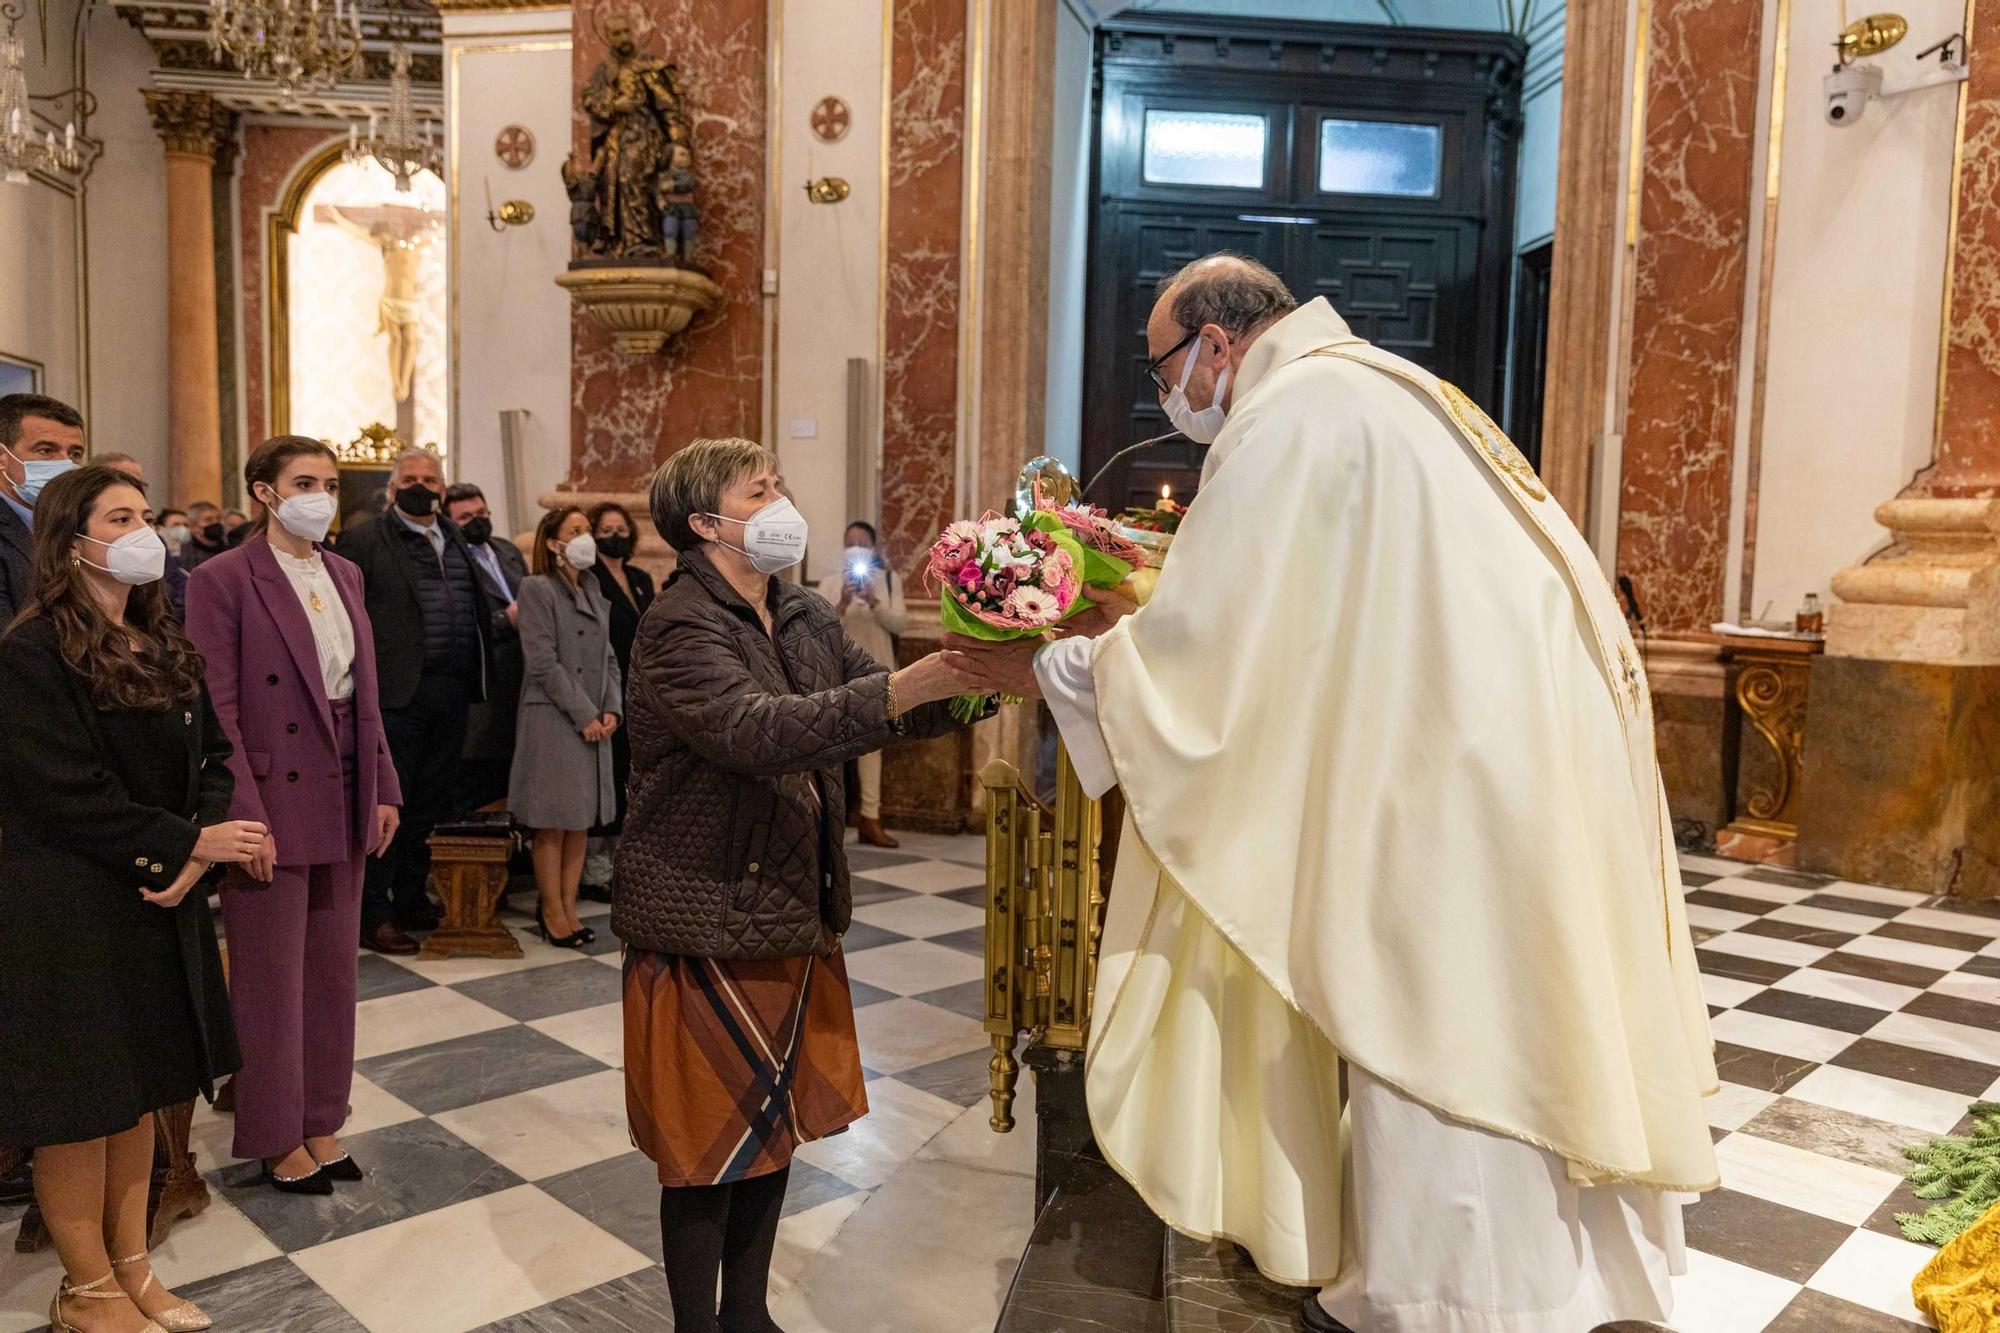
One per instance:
(400, 233)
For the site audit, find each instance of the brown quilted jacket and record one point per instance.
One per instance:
(733, 837)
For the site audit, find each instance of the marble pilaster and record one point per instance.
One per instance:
(1690, 264)
(190, 126)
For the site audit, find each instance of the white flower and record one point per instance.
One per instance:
(965, 530)
(1032, 604)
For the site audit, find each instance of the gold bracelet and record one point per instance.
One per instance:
(894, 716)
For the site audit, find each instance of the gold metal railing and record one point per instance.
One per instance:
(1044, 919)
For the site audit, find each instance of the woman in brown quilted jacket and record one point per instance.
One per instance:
(746, 700)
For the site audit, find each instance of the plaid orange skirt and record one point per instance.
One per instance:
(731, 1065)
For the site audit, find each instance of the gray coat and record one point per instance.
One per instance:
(559, 780)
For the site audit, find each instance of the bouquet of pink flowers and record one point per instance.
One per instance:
(1004, 578)
(1109, 556)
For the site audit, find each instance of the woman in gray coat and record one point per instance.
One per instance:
(571, 703)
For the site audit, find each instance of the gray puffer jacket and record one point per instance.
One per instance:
(733, 838)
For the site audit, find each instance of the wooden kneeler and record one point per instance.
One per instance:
(469, 876)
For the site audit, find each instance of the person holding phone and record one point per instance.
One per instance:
(872, 613)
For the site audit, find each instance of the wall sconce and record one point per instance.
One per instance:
(512, 213)
(828, 190)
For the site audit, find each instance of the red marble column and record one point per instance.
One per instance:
(923, 285)
(628, 413)
(1967, 465)
(1687, 322)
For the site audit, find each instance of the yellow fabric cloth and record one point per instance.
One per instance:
(1960, 1288)
(1383, 725)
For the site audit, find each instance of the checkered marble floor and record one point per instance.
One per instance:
(504, 1194)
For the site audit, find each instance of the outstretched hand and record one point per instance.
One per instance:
(997, 668)
(1108, 606)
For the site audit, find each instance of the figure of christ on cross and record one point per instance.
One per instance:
(400, 233)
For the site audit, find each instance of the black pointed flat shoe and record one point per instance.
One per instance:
(342, 1168)
(314, 1182)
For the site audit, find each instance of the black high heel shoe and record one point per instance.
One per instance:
(315, 1181)
(572, 941)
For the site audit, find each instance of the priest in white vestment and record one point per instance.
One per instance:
(1387, 752)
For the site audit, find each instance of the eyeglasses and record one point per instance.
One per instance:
(1153, 366)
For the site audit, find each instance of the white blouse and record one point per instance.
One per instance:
(333, 631)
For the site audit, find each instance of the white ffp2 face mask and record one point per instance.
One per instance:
(308, 516)
(581, 552)
(1202, 427)
(139, 557)
(774, 538)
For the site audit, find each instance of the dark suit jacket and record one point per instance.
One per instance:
(489, 731)
(395, 613)
(17, 564)
(264, 676)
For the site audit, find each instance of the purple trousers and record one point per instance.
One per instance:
(291, 991)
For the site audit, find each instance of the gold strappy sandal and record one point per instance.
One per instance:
(187, 1317)
(88, 1291)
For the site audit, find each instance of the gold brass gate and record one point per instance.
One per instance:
(1044, 916)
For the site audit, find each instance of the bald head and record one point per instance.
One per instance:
(1206, 318)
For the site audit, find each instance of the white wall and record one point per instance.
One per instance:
(510, 323)
(1069, 237)
(829, 255)
(125, 223)
(1856, 295)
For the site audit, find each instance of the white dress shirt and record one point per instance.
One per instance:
(333, 631)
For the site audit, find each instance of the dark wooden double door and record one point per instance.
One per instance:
(1422, 274)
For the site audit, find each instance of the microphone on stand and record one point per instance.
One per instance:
(1631, 600)
(1122, 455)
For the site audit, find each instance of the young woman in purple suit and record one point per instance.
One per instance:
(291, 667)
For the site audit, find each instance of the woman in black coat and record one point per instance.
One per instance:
(629, 590)
(114, 798)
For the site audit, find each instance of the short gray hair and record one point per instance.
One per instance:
(691, 483)
(412, 452)
(1229, 290)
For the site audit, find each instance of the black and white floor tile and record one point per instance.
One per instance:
(504, 1194)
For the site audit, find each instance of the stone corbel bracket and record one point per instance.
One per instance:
(1933, 595)
(640, 306)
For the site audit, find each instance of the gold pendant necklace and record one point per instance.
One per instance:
(317, 604)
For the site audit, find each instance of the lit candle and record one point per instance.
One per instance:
(1166, 492)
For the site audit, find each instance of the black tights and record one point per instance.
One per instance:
(733, 1228)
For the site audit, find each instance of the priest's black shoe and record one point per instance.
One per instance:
(1313, 1318)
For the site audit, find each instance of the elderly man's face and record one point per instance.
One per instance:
(421, 471)
(618, 34)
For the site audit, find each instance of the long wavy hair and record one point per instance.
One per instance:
(147, 664)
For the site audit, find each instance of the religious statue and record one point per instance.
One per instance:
(400, 233)
(677, 210)
(639, 137)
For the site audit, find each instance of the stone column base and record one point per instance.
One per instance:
(1902, 776)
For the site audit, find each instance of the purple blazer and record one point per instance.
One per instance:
(263, 673)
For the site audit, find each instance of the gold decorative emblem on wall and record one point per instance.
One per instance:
(831, 120)
(515, 146)
(1472, 418)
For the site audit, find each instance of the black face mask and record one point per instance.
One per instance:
(477, 530)
(417, 501)
(213, 534)
(618, 547)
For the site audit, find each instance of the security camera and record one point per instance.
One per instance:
(1848, 91)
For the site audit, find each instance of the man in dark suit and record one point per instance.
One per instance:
(433, 632)
(489, 737)
(39, 437)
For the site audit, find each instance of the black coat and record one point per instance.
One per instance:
(113, 1007)
(625, 617)
(396, 614)
(17, 564)
(489, 731)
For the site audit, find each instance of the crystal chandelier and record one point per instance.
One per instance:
(20, 151)
(403, 146)
(301, 45)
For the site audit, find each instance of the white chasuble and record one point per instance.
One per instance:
(1388, 760)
